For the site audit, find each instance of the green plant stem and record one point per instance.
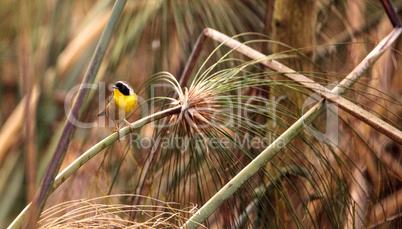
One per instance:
(209, 207)
(224, 193)
(90, 153)
(58, 156)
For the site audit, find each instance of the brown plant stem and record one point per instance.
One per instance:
(26, 73)
(333, 96)
(195, 54)
(345, 104)
(392, 15)
(268, 24)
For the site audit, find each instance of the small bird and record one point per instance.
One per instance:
(121, 104)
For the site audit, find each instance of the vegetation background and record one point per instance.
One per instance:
(45, 48)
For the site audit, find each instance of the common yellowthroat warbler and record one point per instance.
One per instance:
(121, 104)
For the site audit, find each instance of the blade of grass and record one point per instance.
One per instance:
(10, 184)
(10, 132)
(390, 10)
(25, 70)
(11, 193)
(92, 70)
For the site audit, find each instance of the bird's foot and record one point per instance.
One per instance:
(129, 124)
(118, 131)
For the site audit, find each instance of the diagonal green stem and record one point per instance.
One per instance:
(224, 193)
(209, 207)
(90, 153)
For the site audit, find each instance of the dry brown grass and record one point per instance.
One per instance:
(107, 212)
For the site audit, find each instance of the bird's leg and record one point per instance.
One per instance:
(129, 124)
(117, 130)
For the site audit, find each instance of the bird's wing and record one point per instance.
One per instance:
(108, 101)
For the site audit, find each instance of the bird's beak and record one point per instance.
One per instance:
(114, 87)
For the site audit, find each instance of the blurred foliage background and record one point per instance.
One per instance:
(45, 47)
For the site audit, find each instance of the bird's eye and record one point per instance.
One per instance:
(119, 85)
(123, 89)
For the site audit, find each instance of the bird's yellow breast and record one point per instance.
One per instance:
(126, 103)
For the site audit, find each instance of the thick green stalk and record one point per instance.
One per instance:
(90, 153)
(209, 207)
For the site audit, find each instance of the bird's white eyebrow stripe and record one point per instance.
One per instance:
(131, 91)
